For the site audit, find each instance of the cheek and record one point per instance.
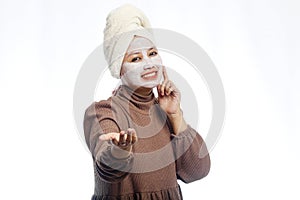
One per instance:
(160, 74)
(130, 67)
(132, 71)
(157, 60)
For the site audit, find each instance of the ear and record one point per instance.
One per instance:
(121, 71)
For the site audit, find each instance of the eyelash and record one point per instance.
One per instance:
(136, 59)
(151, 53)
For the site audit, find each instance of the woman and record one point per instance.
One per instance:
(140, 144)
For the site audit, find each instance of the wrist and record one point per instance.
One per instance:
(175, 115)
(120, 153)
(178, 122)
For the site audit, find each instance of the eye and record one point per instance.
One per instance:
(153, 53)
(135, 59)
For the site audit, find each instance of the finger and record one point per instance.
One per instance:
(122, 140)
(133, 136)
(175, 90)
(159, 90)
(168, 87)
(172, 89)
(129, 137)
(165, 75)
(115, 141)
(169, 91)
(163, 87)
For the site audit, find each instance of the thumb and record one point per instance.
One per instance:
(109, 136)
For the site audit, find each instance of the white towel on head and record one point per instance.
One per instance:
(122, 24)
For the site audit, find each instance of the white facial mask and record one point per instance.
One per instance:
(145, 73)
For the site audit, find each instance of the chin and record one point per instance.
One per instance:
(151, 84)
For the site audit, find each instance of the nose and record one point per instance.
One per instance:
(148, 63)
(148, 66)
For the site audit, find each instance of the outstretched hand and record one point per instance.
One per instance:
(124, 140)
(168, 95)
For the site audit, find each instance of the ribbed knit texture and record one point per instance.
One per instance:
(150, 171)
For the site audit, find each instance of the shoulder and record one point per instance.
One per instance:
(104, 108)
(106, 112)
(99, 107)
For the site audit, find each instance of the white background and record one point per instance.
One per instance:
(254, 44)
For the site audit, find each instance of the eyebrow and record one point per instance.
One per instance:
(138, 51)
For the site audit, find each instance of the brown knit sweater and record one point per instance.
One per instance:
(158, 158)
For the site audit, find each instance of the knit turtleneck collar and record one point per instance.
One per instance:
(143, 102)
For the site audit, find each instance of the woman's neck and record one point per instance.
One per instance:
(143, 91)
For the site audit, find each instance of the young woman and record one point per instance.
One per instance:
(140, 143)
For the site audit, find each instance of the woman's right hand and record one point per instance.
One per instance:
(123, 141)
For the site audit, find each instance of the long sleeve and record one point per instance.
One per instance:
(193, 161)
(100, 118)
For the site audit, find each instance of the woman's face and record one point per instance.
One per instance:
(142, 66)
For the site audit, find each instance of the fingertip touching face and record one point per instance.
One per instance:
(142, 65)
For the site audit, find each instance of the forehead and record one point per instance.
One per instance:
(139, 43)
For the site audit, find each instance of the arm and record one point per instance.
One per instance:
(193, 160)
(112, 163)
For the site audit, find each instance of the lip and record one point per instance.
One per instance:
(149, 72)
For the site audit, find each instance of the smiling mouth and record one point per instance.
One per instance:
(151, 75)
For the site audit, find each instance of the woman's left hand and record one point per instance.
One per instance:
(168, 95)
